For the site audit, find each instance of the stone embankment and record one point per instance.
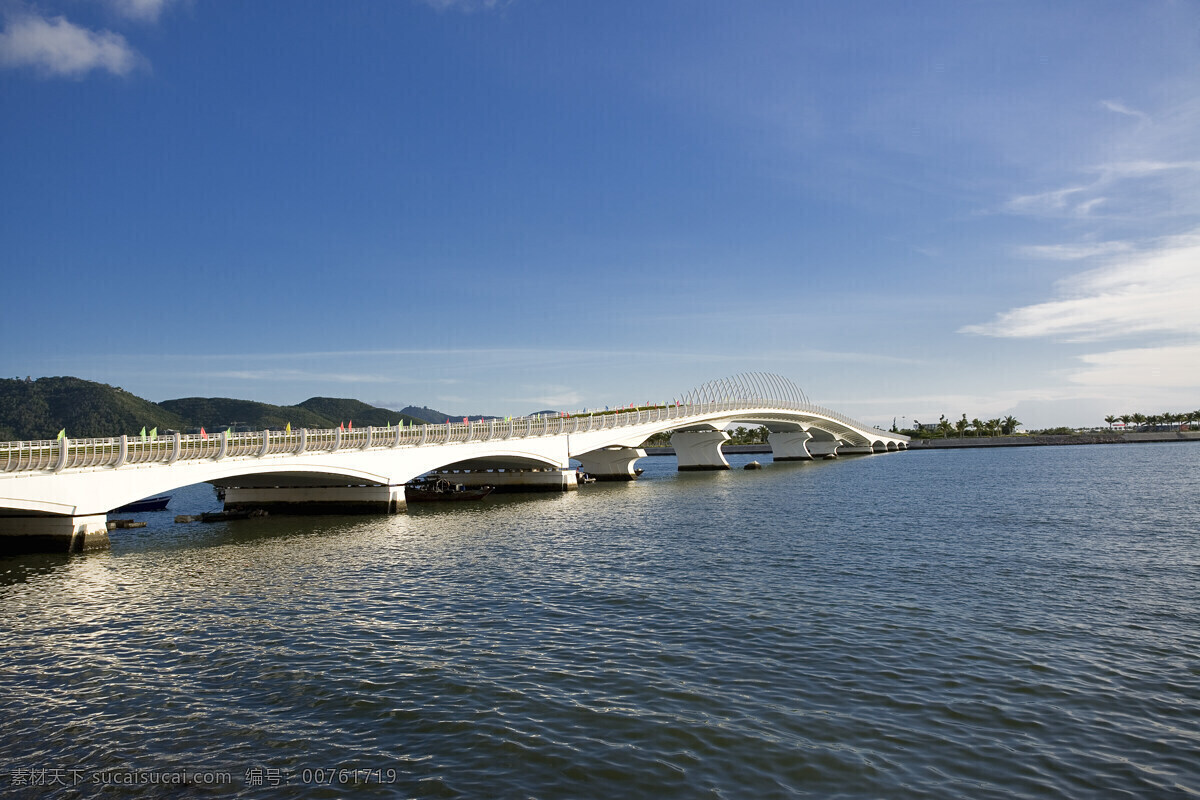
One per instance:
(1104, 437)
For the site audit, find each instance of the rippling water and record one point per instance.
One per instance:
(1018, 622)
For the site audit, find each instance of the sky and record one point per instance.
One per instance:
(502, 206)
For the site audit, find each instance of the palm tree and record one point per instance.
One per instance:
(993, 426)
(944, 426)
(978, 425)
(961, 425)
(1009, 425)
(1126, 419)
(1110, 419)
(1138, 419)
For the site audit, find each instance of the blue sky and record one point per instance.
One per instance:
(909, 209)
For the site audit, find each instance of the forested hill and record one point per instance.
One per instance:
(339, 410)
(436, 417)
(219, 413)
(31, 410)
(40, 409)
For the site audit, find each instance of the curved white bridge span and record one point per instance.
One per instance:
(59, 492)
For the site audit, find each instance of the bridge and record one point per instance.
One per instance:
(56, 495)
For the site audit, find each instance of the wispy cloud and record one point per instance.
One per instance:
(1149, 172)
(1075, 252)
(56, 47)
(1121, 108)
(548, 397)
(140, 10)
(1157, 290)
(1172, 367)
(1147, 188)
(294, 375)
(467, 6)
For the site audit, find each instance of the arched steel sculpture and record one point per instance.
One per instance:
(750, 387)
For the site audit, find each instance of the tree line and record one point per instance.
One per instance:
(1154, 421)
(1006, 426)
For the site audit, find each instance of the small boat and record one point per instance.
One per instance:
(423, 490)
(149, 504)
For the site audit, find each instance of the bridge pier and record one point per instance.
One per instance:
(852, 449)
(507, 481)
(316, 499)
(824, 444)
(611, 463)
(53, 534)
(789, 445)
(699, 450)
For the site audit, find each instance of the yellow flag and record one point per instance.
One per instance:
(288, 429)
(154, 433)
(62, 434)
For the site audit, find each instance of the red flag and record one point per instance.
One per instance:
(341, 426)
(464, 420)
(203, 435)
(350, 427)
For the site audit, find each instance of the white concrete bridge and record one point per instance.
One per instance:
(56, 495)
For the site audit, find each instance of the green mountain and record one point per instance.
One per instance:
(423, 414)
(338, 410)
(31, 410)
(219, 413)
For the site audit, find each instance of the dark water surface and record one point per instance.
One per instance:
(1018, 622)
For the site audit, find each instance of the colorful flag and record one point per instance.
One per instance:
(203, 433)
(154, 433)
(341, 426)
(229, 431)
(288, 429)
(464, 420)
(350, 427)
(143, 433)
(62, 434)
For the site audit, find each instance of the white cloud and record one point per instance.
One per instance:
(1121, 108)
(140, 10)
(57, 47)
(549, 397)
(1074, 252)
(294, 375)
(467, 6)
(1173, 367)
(1153, 291)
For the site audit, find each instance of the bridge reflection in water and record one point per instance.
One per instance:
(55, 495)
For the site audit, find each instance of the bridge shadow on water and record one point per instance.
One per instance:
(660, 482)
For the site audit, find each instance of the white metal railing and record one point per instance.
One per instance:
(57, 455)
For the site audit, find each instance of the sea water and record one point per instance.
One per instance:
(1008, 622)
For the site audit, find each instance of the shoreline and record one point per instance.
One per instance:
(1051, 440)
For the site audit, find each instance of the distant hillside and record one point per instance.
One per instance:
(31, 410)
(338, 410)
(223, 412)
(424, 414)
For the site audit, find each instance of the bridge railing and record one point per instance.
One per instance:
(56, 455)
